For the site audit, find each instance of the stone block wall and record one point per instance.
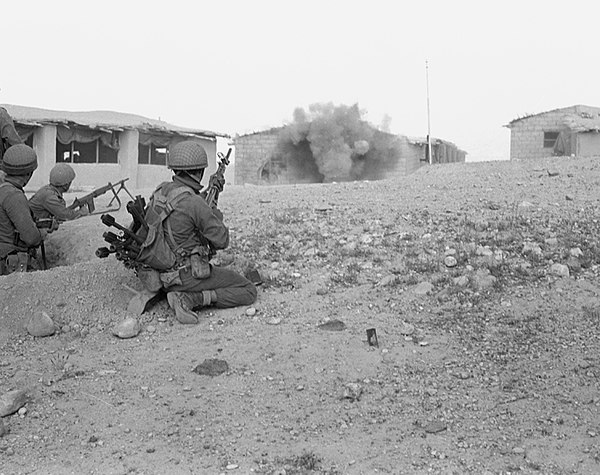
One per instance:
(527, 135)
(251, 153)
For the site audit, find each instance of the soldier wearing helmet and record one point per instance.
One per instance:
(48, 201)
(194, 223)
(19, 235)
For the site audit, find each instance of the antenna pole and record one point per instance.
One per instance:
(428, 115)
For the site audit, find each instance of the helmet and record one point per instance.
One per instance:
(61, 174)
(20, 159)
(187, 155)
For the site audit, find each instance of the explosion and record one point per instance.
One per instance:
(333, 143)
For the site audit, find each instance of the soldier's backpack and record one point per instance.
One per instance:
(159, 251)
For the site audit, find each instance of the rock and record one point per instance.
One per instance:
(211, 367)
(352, 391)
(574, 264)
(461, 281)
(576, 252)
(128, 328)
(40, 325)
(274, 321)
(12, 401)
(407, 329)
(435, 427)
(388, 280)
(423, 288)
(559, 270)
(3, 428)
(333, 325)
(483, 279)
(450, 261)
(484, 251)
(322, 291)
(251, 311)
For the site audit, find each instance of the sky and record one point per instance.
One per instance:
(237, 67)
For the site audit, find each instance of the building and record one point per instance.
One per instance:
(104, 146)
(567, 131)
(260, 159)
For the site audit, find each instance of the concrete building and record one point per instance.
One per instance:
(105, 146)
(260, 161)
(573, 130)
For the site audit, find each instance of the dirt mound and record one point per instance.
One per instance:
(481, 280)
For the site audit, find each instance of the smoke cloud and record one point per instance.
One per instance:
(333, 143)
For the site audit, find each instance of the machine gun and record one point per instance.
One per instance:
(87, 201)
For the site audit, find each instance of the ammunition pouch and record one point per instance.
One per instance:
(199, 262)
(168, 279)
(150, 278)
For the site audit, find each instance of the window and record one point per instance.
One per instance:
(550, 139)
(153, 155)
(91, 152)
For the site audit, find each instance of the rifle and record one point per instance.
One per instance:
(88, 200)
(218, 177)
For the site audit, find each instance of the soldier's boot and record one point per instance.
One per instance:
(142, 301)
(184, 304)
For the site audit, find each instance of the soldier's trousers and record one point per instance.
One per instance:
(232, 289)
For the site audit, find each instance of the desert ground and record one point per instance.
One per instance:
(481, 280)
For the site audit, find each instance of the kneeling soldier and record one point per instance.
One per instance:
(19, 235)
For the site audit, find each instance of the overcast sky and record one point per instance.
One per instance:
(242, 66)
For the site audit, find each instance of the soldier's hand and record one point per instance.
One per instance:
(53, 226)
(219, 183)
(83, 212)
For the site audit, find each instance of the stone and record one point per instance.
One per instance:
(560, 270)
(333, 325)
(211, 367)
(12, 401)
(576, 252)
(40, 325)
(483, 279)
(251, 311)
(128, 328)
(450, 261)
(435, 427)
(423, 288)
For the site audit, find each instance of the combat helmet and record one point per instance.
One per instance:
(19, 159)
(187, 155)
(61, 174)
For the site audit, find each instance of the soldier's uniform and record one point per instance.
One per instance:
(193, 222)
(18, 232)
(48, 201)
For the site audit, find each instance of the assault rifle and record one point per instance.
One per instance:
(88, 200)
(217, 179)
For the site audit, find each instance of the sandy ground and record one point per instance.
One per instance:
(482, 283)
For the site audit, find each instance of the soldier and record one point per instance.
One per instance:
(48, 201)
(19, 235)
(8, 135)
(192, 223)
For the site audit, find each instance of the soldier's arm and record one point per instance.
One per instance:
(17, 209)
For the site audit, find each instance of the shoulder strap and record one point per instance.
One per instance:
(173, 198)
